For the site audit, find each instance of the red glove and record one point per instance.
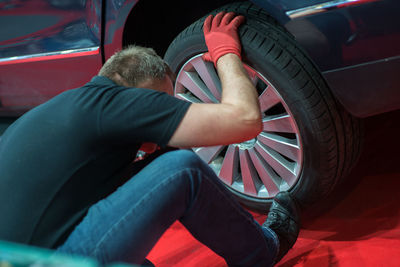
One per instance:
(221, 35)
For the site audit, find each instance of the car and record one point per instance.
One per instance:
(319, 67)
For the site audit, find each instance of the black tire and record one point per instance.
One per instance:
(330, 136)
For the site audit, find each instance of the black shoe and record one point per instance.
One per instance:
(284, 219)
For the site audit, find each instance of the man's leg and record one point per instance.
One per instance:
(177, 185)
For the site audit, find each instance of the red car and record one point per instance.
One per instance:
(318, 65)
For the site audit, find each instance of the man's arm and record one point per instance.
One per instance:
(237, 118)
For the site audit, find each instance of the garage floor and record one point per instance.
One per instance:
(360, 226)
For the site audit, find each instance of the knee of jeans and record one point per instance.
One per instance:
(186, 159)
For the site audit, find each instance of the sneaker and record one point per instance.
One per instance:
(284, 219)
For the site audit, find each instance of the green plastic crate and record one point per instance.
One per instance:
(17, 255)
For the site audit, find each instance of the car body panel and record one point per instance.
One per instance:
(116, 14)
(35, 81)
(368, 89)
(42, 43)
(49, 46)
(40, 26)
(355, 44)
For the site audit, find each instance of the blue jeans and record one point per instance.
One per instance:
(177, 185)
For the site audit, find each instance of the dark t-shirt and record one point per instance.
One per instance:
(63, 156)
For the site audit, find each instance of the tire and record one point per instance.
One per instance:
(309, 142)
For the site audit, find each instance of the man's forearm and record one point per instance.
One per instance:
(237, 88)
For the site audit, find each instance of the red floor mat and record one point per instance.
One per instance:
(361, 224)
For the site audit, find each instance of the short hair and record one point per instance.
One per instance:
(135, 64)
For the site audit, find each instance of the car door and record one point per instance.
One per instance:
(46, 47)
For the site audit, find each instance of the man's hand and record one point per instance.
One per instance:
(220, 33)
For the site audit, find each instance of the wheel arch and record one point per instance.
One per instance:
(168, 20)
(114, 17)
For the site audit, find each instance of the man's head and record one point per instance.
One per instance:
(137, 66)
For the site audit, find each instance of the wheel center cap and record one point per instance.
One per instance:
(247, 144)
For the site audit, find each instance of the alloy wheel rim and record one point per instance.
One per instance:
(260, 167)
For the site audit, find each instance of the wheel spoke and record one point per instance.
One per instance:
(278, 123)
(209, 76)
(195, 85)
(187, 97)
(285, 146)
(208, 154)
(249, 174)
(229, 168)
(279, 164)
(266, 174)
(268, 99)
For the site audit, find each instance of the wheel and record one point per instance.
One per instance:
(308, 141)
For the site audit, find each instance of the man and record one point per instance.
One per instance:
(67, 180)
